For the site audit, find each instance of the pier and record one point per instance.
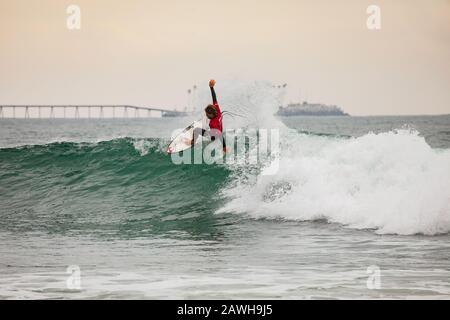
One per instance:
(85, 111)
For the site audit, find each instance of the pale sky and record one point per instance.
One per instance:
(149, 52)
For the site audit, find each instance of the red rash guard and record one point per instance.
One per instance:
(216, 122)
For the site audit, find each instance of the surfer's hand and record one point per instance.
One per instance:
(212, 82)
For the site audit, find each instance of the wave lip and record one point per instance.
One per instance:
(393, 182)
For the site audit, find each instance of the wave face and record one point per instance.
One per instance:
(391, 182)
(123, 185)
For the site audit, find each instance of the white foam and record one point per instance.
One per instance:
(144, 146)
(393, 182)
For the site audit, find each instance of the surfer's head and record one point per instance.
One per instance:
(210, 111)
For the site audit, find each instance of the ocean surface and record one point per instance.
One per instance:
(358, 208)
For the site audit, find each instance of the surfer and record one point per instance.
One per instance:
(214, 115)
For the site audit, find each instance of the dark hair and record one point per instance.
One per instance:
(211, 110)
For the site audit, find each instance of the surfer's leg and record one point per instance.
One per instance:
(213, 138)
(223, 139)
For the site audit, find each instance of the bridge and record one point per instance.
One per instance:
(85, 111)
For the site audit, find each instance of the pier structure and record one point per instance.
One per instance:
(85, 111)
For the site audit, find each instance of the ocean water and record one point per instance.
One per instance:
(359, 208)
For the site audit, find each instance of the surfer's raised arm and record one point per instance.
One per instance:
(213, 93)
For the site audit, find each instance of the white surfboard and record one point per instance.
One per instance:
(182, 141)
